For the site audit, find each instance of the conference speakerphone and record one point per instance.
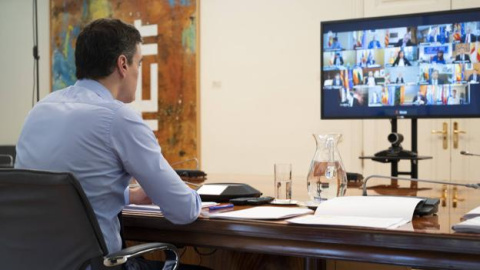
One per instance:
(252, 200)
(223, 192)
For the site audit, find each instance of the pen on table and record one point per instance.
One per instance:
(218, 207)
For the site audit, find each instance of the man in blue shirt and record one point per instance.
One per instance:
(336, 44)
(88, 130)
(374, 43)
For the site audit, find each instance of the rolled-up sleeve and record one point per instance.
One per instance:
(140, 154)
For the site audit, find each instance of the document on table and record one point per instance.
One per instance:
(263, 213)
(364, 211)
(471, 224)
(155, 208)
(473, 213)
(142, 207)
(468, 226)
(349, 221)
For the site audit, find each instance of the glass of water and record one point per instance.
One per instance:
(283, 183)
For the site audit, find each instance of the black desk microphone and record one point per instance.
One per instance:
(466, 153)
(475, 186)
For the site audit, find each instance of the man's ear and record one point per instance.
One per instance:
(122, 65)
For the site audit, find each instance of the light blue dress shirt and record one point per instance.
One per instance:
(82, 129)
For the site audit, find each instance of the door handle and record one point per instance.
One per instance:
(444, 133)
(456, 132)
(443, 198)
(456, 198)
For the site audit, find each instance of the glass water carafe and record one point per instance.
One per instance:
(327, 178)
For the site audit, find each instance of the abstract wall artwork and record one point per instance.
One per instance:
(167, 88)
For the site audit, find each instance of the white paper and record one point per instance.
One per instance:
(369, 206)
(143, 207)
(473, 213)
(471, 225)
(211, 189)
(386, 212)
(155, 208)
(385, 223)
(263, 212)
(208, 204)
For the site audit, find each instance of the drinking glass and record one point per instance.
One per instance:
(283, 183)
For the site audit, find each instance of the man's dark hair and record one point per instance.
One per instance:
(100, 44)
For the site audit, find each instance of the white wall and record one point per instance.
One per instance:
(260, 84)
(16, 71)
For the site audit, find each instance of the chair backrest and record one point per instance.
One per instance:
(46, 222)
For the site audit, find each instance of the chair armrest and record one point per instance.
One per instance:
(10, 161)
(123, 255)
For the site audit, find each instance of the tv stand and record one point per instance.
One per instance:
(395, 154)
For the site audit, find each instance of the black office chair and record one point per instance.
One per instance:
(7, 156)
(46, 222)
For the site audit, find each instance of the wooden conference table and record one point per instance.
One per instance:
(425, 243)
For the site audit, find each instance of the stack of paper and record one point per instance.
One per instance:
(471, 224)
(142, 207)
(263, 212)
(473, 213)
(365, 211)
(155, 208)
(350, 221)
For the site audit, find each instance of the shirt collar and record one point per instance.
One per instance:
(96, 87)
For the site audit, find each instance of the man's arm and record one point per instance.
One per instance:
(138, 196)
(141, 157)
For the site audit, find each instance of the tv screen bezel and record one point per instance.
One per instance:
(425, 15)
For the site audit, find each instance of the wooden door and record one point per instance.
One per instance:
(465, 136)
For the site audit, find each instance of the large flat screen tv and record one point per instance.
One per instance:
(409, 66)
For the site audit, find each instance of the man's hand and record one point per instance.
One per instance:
(138, 196)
